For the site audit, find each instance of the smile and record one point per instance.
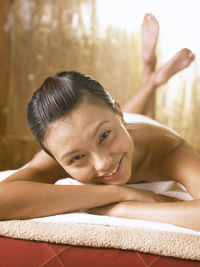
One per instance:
(114, 172)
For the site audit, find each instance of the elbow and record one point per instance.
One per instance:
(4, 203)
(4, 213)
(7, 205)
(195, 215)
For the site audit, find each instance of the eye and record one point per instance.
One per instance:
(76, 158)
(104, 135)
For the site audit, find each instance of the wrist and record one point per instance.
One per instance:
(132, 194)
(125, 193)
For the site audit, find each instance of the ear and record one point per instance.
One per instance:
(120, 113)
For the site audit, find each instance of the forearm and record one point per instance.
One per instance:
(27, 199)
(184, 213)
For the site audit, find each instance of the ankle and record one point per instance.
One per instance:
(150, 81)
(150, 64)
(160, 78)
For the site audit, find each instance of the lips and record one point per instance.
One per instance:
(114, 172)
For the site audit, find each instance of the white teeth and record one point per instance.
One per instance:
(114, 171)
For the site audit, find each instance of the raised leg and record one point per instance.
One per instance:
(143, 100)
(142, 96)
(179, 62)
(150, 31)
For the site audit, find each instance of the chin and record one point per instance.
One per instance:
(124, 181)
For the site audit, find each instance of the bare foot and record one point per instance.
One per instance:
(150, 30)
(179, 62)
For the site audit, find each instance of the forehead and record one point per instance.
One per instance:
(86, 114)
(77, 125)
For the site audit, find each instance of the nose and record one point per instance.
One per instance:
(102, 162)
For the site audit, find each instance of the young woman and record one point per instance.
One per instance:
(83, 136)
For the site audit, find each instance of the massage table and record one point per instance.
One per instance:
(81, 239)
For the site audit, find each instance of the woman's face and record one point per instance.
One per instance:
(92, 145)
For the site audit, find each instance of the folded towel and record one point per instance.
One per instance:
(84, 229)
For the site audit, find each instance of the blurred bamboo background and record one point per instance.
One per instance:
(101, 38)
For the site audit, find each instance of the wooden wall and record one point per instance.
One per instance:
(40, 38)
(14, 152)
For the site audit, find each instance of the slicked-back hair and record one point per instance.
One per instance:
(58, 96)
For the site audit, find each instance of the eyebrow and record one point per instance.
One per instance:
(98, 127)
(95, 132)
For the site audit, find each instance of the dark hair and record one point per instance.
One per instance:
(57, 96)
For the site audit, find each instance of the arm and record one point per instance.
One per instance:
(28, 199)
(31, 192)
(184, 213)
(183, 164)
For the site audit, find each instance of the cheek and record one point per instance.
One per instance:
(122, 144)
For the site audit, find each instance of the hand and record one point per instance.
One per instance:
(141, 195)
(107, 210)
(117, 209)
(150, 196)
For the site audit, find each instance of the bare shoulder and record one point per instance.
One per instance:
(176, 159)
(173, 157)
(183, 166)
(156, 138)
(154, 143)
(42, 168)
